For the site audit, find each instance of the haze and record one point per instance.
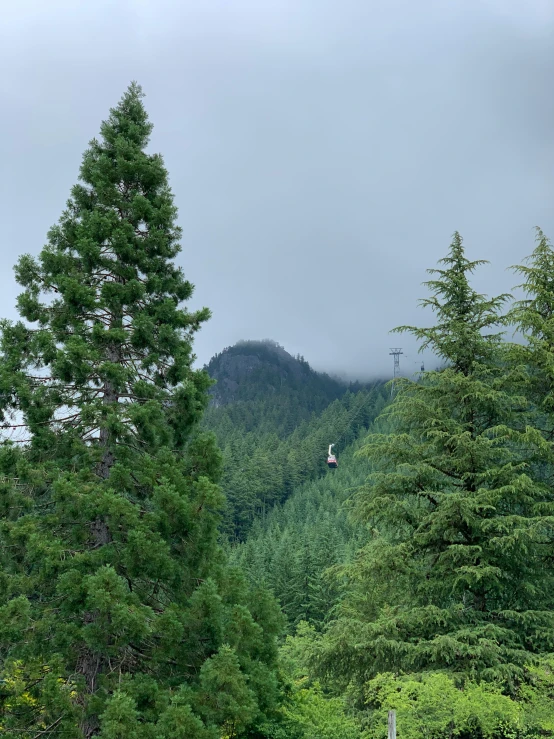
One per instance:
(321, 153)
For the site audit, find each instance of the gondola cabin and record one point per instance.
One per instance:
(331, 459)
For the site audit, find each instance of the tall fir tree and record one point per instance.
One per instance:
(533, 317)
(456, 576)
(118, 615)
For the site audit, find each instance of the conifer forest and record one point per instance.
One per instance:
(177, 559)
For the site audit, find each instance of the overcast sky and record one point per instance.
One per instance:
(321, 152)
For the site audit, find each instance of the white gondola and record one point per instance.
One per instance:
(331, 459)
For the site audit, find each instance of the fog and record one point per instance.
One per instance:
(321, 153)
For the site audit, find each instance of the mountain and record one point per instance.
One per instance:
(274, 417)
(250, 370)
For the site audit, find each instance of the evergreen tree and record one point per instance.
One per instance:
(118, 616)
(534, 318)
(456, 576)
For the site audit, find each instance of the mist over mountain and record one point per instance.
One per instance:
(253, 368)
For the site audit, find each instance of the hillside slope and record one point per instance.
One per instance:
(293, 549)
(274, 417)
(261, 387)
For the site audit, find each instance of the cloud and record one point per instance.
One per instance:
(321, 153)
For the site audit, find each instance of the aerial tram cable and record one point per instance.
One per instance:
(331, 458)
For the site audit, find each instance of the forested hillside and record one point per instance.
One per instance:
(294, 548)
(267, 389)
(274, 420)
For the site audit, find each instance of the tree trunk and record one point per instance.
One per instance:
(90, 664)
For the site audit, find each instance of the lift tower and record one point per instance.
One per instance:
(396, 352)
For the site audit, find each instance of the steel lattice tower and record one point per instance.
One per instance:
(396, 352)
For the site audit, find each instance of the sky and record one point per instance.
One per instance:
(321, 153)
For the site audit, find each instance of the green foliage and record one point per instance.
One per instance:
(537, 695)
(308, 712)
(436, 705)
(319, 716)
(457, 575)
(38, 697)
(262, 471)
(118, 614)
(224, 697)
(533, 317)
(462, 314)
(294, 549)
(433, 706)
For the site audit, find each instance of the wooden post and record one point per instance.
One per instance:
(392, 725)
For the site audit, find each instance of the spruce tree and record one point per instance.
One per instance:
(456, 576)
(533, 317)
(118, 615)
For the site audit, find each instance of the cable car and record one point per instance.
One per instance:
(331, 459)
